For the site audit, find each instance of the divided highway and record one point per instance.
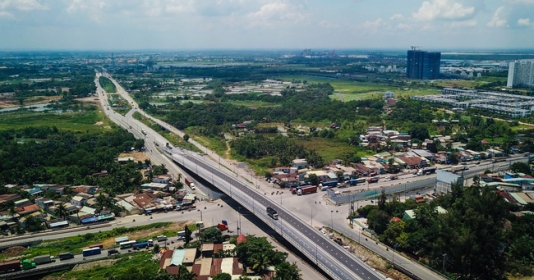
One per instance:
(329, 256)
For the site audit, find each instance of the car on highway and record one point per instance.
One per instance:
(372, 180)
(393, 177)
(113, 252)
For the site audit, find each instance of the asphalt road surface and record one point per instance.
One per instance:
(331, 257)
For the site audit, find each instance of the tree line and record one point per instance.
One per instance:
(477, 238)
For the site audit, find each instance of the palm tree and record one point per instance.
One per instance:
(61, 211)
(13, 212)
(260, 261)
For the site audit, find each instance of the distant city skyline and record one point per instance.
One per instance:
(434, 25)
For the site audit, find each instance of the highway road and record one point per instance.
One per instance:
(327, 254)
(242, 176)
(332, 258)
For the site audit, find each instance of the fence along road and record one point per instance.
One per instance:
(329, 256)
(341, 199)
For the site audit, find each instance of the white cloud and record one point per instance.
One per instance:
(464, 23)
(497, 20)
(4, 14)
(328, 24)
(402, 26)
(81, 5)
(396, 17)
(371, 24)
(522, 1)
(276, 11)
(22, 5)
(442, 9)
(524, 22)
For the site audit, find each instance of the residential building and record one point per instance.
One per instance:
(423, 65)
(78, 201)
(162, 179)
(521, 73)
(300, 163)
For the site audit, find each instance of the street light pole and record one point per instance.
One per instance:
(444, 255)
(331, 220)
(239, 231)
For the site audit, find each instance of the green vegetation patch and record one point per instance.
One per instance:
(85, 121)
(76, 244)
(107, 85)
(132, 266)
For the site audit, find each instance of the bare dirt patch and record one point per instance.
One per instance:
(138, 156)
(99, 123)
(90, 265)
(14, 251)
(35, 100)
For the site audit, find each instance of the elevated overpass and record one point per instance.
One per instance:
(327, 255)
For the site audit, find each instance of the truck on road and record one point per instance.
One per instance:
(326, 185)
(457, 168)
(143, 131)
(306, 190)
(426, 171)
(372, 180)
(295, 189)
(185, 206)
(66, 256)
(189, 183)
(11, 266)
(352, 182)
(272, 213)
(161, 238)
(43, 259)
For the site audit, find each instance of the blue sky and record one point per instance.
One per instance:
(265, 24)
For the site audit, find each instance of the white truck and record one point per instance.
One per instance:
(43, 259)
(189, 183)
(457, 168)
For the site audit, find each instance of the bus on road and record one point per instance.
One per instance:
(91, 252)
(127, 244)
(101, 246)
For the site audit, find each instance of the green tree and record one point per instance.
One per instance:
(378, 220)
(186, 137)
(222, 276)
(184, 274)
(61, 211)
(521, 167)
(382, 200)
(287, 271)
(33, 224)
(212, 235)
(188, 237)
(313, 179)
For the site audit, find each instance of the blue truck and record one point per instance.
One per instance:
(326, 185)
(352, 182)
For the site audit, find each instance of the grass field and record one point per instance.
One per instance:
(107, 85)
(117, 267)
(173, 139)
(84, 122)
(346, 90)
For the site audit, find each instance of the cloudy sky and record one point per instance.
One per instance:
(265, 24)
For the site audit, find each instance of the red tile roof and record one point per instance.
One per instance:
(8, 197)
(217, 247)
(173, 270)
(241, 238)
(166, 255)
(27, 209)
(216, 266)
